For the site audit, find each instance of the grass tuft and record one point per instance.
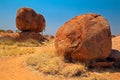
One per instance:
(73, 70)
(49, 63)
(53, 66)
(33, 61)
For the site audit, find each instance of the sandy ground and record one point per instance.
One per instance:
(14, 68)
(116, 43)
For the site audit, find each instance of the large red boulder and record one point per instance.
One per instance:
(86, 37)
(28, 20)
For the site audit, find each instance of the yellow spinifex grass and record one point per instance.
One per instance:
(10, 47)
(15, 50)
(46, 61)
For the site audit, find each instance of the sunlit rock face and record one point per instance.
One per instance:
(28, 20)
(85, 37)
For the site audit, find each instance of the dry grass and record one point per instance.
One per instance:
(49, 63)
(27, 43)
(15, 50)
(9, 47)
(55, 67)
(45, 62)
(6, 42)
(73, 70)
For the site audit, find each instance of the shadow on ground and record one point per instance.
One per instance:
(113, 58)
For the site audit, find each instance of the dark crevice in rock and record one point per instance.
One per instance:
(96, 16)
(108, 59)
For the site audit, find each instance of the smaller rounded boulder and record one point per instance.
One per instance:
(86, 37)
(28, 20)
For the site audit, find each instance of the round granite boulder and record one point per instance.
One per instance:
(28, 20)
(85, 37)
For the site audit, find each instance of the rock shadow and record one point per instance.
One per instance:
(23, 36)
(113, 58)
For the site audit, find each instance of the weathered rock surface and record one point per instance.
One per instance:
(85, 37)
(28, 20)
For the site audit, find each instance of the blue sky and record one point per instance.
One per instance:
(57, 12)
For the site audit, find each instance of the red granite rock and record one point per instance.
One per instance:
(28, 20)
(85, 37)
